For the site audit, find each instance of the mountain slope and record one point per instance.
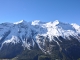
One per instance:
(47, 36)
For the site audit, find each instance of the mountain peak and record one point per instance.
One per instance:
(36, 22)
(22, 21)
(56, 22)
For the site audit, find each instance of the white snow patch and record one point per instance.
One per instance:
(14, 40)
(36, 22)
(22, 21)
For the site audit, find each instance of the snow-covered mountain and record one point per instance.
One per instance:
(22, 31)
(37, 32)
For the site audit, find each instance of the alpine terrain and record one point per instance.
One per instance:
(38, 40)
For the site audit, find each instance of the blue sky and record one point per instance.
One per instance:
(44, 10)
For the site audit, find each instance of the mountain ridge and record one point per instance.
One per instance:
(45, 35)
(49, 29)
